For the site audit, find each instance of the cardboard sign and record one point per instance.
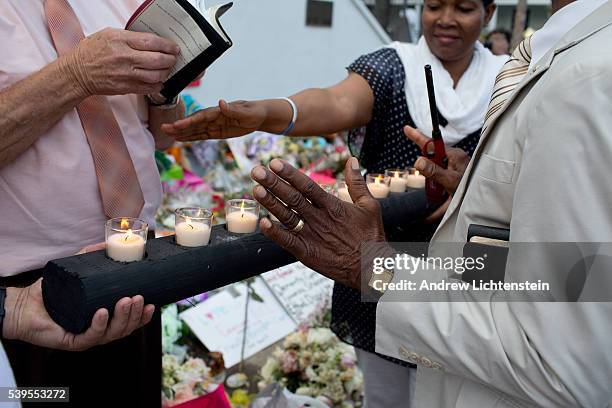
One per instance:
(219, 321)
(300, 289)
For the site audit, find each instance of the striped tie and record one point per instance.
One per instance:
(117, 180)
(508, 78)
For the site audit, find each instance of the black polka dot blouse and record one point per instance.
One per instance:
(381, 145)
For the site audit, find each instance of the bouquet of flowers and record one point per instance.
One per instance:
(184, 381)
(315, 363)
(188, 381)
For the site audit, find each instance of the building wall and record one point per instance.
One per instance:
(276, 54)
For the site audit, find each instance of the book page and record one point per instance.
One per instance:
(168, 19)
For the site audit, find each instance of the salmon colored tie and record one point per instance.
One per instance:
(508, 78)
(117, 180)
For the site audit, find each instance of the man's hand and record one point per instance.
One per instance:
(449, 178)
(27, 320)
(223, 122)
(119, 62)
(330, 241)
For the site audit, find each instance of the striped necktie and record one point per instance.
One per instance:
(117, 180)
(508, 78)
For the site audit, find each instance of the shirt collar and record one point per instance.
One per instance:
(559, 24)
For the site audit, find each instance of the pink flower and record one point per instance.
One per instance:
(183, 393)
(347, 361)
(289, 362)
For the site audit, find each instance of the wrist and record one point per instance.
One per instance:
(376, 275)
(13, 305)
(277, 115)
(73, 75)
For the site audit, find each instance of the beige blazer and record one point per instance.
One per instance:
(543, 169)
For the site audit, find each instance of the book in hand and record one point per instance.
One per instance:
(197, 32)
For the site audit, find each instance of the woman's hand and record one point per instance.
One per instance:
(326, 234)
(449, 178)
(223, 122)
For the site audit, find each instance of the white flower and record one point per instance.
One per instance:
(294, 340)
(268, 370)
(307, 391)
(321, 336)
(355, 383)
(171, 327)
(310, 374)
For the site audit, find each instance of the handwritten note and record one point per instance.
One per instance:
(299, 288)
(218, 322)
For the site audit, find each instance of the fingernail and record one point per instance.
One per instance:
(265, 223)
(177, 49)
(354, 163)
(126, 308)
(259, 192)
(259, 173)
(276, 165)
(419, 164)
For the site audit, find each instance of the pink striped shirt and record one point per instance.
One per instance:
(50, 205)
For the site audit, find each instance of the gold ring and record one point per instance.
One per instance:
(299, 226)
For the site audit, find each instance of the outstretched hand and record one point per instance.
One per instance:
(330, 240)
(221, 122)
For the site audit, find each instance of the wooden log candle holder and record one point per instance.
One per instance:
(75, 287)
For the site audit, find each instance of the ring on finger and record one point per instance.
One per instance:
(299, 226)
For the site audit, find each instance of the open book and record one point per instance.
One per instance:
(197, 31)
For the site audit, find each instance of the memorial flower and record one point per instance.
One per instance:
(313, 362)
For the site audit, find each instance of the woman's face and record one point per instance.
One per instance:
(451, 27)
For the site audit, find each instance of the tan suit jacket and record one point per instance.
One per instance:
(542, 170)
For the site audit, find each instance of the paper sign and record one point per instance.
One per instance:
(219, 322)
(299, 288)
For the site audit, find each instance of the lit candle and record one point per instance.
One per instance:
(397, 183)
(415, 180)
(192, 226)
(191, 233)
(378, 187)
(343, 193)
(126, 245)
(241, 220)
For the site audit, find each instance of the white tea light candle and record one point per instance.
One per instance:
(126, 239)
(415, 179)
(397, 180)
(343, 193)
(192, 226)
(242, 216)
(378, 185)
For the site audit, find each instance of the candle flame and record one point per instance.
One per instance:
(242, 209)
(397, 174)
(377, 179)
(416, 172)
(125, 224)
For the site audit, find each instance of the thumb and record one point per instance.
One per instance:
(355, 183)
(438, 174)
(416, 136)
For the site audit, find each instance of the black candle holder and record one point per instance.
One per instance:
(75, 287)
